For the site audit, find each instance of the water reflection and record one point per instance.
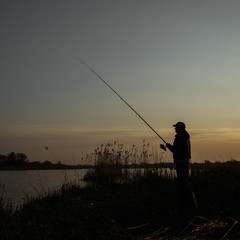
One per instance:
(18, 186)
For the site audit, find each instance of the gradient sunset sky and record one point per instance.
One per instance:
(172, 60)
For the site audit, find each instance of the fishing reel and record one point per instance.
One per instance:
(163, 147)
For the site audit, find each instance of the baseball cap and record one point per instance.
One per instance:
(179, 124)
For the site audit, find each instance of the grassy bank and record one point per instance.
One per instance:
(136, 204)
(124, 203)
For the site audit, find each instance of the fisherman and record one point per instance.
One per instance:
(181, 150)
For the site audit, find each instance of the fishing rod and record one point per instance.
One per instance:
(85, 64)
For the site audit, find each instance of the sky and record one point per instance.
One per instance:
(170, 60)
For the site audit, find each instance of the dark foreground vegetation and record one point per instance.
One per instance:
(144, 205)
(132, 204)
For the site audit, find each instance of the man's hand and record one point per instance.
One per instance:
(163, 147)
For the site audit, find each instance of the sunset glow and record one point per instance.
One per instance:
(171, 60)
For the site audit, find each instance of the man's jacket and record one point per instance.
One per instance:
(181, 147)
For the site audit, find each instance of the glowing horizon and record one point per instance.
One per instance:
(74, 142)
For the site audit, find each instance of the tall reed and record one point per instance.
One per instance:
(112, 164)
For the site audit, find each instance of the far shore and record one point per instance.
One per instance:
(32, 166)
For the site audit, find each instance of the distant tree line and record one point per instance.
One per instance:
(20, 161)
(14, 160)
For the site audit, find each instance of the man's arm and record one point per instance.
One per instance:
(170, 147)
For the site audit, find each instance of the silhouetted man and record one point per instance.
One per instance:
(181, 150)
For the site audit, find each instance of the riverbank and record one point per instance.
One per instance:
(148, 206)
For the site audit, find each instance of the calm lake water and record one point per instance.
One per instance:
(18, 186)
